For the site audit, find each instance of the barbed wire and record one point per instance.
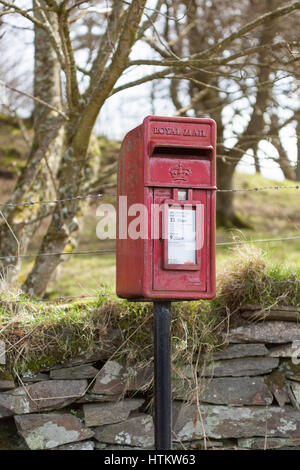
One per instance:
(100, 252)
(54, 201)
(100, 196)
(262, 188)
(263, 240)
(69, 253)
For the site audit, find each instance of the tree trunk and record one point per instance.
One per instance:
(77, 138)
(284, 162)
(34, 183)
(225, 214)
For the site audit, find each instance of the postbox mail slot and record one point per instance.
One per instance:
(181, 152)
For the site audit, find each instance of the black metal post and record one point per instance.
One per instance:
(162, 375)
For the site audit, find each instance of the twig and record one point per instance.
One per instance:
(34, 98)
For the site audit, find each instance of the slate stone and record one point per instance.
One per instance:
(278, 386)
(295, 387)
(6, 381)
(260, 443)
(241, 350)
(85, 445)
(111, 379)
(46, 431)
(94, 398)
(100, 446)
(2, 353)
(224, 422)
(208, 444)
(6, 385)
(237, 391)
(295, 377)
(248, 366)
(287, 350)
(123, 448)
(83, 371)
(286, 308)
(46, 395)
(137, 431)
(139, 378)
(32, 378)
(114, 379)
(5, 413)
(100, 414)
(272, 315)
(265, 332)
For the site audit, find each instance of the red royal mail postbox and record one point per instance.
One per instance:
(166, 210)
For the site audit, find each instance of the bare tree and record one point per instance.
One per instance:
(83, 100)
(248, 71)
(82, 109)
(35, 181)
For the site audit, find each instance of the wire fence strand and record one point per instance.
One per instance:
(263, 188)
(263, 240)
(68, 253)
(100, 196)
(54, 201)
(113, 250)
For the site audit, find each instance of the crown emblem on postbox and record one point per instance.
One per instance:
(179, 172)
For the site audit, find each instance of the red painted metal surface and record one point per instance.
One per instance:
(158, 158)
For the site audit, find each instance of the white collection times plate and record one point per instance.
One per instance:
(181, 236)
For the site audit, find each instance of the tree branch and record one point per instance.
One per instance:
(150, 19)
(140, 81)
(49, 28)
(70, 69)
(114, 28)
(15, 9)
(267, 17)
(34, 98)
(118, 64)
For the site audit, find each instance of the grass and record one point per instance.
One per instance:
(40, 335)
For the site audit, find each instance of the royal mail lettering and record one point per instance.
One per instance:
(179, 131)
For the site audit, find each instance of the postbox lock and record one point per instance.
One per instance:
(182, 194)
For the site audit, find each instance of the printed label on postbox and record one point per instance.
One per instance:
(181, 236)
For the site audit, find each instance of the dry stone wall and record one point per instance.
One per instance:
(247, 396)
